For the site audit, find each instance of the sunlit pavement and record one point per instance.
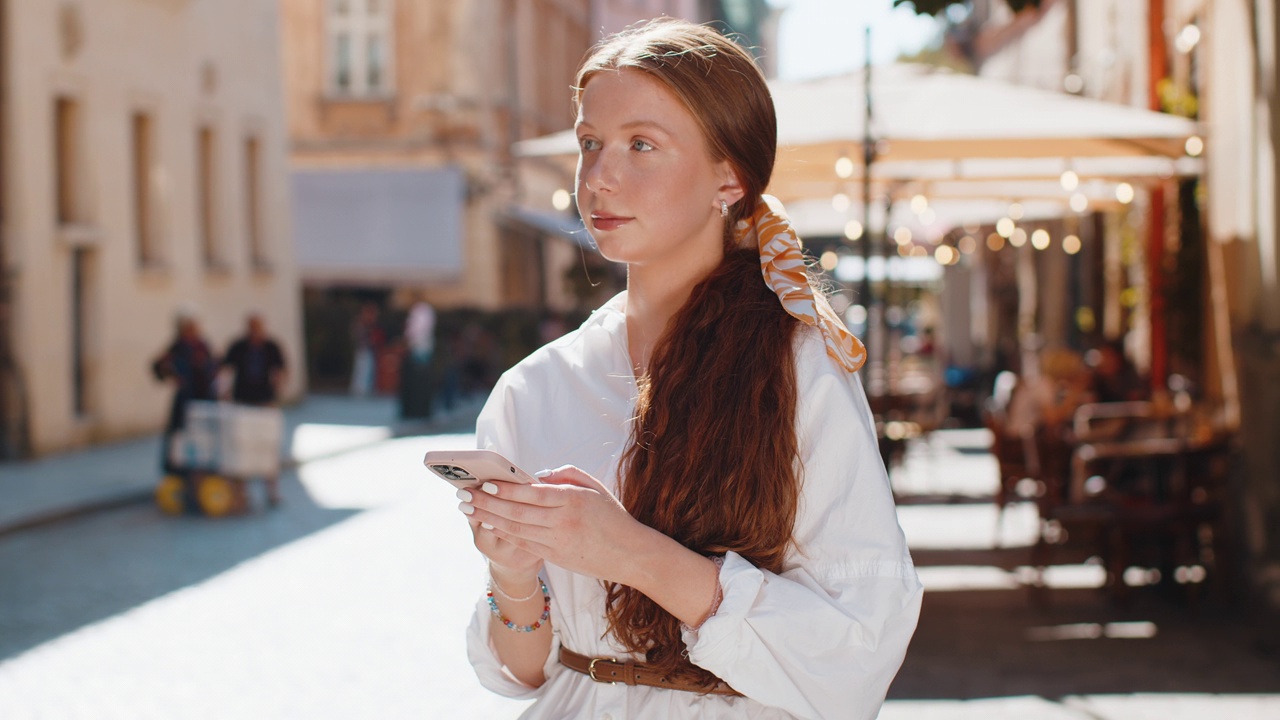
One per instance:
(350, 601)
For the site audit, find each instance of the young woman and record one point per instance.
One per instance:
(719, 539)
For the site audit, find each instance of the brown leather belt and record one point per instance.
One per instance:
(630, 672)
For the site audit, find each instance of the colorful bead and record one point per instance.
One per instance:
(546, 609)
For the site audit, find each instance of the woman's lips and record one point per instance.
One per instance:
(608, 222)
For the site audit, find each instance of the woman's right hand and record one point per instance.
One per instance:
(512, 566)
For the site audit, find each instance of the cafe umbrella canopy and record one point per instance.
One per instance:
(937, 132)
(933, 122)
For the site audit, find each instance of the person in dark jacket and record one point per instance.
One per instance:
(189, 364)
(257, 365)
(258, 368)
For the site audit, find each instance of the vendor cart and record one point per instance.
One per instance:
(222, 448)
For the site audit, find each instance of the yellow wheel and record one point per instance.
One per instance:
(171, 495)
(218, 495)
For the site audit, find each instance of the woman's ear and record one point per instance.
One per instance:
(730, 190)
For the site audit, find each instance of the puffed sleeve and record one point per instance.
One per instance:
(824, 638)
(495, 430)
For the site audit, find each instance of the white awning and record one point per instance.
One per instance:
(375, 226)
(934, 124)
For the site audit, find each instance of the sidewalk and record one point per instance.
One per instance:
(52, 488)
(984, 650)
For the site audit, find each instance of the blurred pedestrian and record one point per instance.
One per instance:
(1114, 377)
(368, 338)
(1047, 396)
(725, 542)
(415, 367)
(258, 370)
(188, 364)
(256, 364)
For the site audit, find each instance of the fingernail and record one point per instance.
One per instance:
(490, 488)
(464, 495)
(486, 526)
(542, 473)
(466, 508)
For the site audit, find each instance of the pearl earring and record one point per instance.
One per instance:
(724, 209)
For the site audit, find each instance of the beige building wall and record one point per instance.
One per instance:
(470, 78)
(610, 16)
(184, 65)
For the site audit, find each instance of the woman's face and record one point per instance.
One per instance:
(647, 187)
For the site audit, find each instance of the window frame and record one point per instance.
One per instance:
(359, 26)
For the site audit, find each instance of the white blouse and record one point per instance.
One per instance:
(822, 639)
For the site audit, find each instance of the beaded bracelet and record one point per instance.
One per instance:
(546, 609)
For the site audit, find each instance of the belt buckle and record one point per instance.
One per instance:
(591, 670)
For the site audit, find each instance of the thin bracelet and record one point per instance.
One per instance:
(494, 584)
(511, 625)
(718, 561)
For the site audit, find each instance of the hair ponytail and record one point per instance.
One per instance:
(713, 453)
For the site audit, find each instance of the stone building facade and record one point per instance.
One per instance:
(438, 92)
(142, 172)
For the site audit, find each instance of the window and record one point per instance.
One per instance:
(66, 163)
(81, 306)
(253, 202)
(143, 195)
(206, 205)
(360, 48)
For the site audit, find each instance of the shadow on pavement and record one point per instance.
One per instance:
(981, 635)
(987, 644)
(58, 578)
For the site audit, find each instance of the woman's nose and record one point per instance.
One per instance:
(599, 173)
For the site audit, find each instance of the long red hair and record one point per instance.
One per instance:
(712, 460)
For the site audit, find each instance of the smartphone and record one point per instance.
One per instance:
(470, 468)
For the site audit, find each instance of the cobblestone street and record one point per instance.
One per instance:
(350, 601)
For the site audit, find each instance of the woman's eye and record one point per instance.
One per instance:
(641, 146)
(588, 144)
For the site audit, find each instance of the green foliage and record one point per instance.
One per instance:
(938, 57)
(934, 7)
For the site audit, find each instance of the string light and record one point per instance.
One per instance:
(1005, 227)
(853, 230)
(844, 167)
(967, 244)
(1070, 181)
(995, 242)
(840, 202)
(1079, 203)
(902, 235)
(919, 204)
(829, 260)
(1187, 39)
(1018, 238)
(1040, 239)
(1124, 193)
(1015, 211)
(1195, 146)
(1071, 244)
(560, 199)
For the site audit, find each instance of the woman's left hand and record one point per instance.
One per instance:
(569, 519)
